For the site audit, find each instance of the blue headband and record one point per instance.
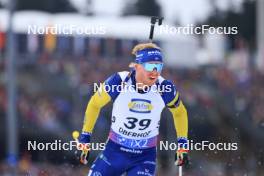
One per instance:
(147, 55)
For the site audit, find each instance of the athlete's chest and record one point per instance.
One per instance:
(131, 102)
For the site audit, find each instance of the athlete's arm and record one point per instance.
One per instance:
(107, 92)
(98, 100)
(172, 101)
(96, 103)
(180, 118)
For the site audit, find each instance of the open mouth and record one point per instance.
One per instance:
(152, 78)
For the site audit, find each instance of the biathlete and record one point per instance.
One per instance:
(138, 97)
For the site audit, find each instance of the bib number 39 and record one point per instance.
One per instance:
(132, 123)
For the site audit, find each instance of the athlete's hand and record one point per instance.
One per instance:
(83, 147)
(181, 156)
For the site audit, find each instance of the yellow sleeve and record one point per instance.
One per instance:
(97, 101)
(180, 119)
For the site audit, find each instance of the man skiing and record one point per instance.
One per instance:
(138, 97)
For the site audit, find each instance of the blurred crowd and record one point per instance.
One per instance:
(223, 105)
(26, 167)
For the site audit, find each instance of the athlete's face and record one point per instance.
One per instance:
(145, 76)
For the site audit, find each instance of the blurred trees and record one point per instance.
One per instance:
(143, 7)
(244, 19)
(51, 6)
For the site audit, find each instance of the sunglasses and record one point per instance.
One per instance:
(153, 66)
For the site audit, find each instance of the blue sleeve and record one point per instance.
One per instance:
(113, 84)
(170, 95)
